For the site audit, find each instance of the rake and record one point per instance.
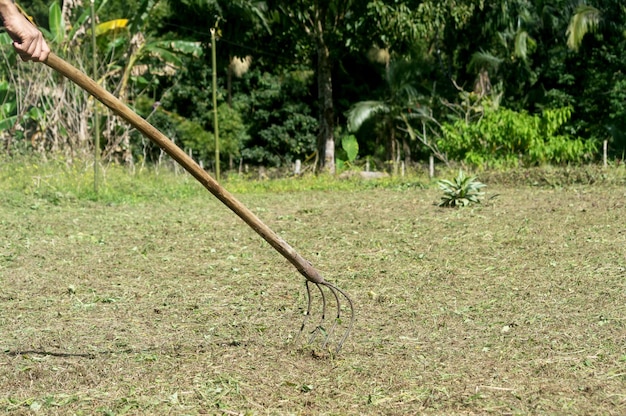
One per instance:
(312, 276)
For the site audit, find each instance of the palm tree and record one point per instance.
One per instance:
(406, 90)
(596, 36)
(585, 20)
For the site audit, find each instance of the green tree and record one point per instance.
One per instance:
(240, 23)
(520, 48)
(321, 27)
(233, 134)
(278, 110)
(507, 138)
(596, 36)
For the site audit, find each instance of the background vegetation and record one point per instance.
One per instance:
(487, 84)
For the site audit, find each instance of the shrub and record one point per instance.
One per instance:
(506, 138)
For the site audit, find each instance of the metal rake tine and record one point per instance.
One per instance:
(337, 318)
(308, 308)
(319, 327)
(307, 314)
(335, 289)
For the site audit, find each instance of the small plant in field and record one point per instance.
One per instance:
(351, 147)
(462, 191)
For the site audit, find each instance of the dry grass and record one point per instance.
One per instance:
(515, 307)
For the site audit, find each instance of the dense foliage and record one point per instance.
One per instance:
(508, 83)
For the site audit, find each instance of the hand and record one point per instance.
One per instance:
(27, 39)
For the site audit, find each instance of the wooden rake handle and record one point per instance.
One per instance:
(108, 99)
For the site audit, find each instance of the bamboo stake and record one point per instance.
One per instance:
(215, 124)
(96, 118)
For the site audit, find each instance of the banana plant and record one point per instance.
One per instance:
(167, 53)
(8, 106)
(122, 45)
(128, 36)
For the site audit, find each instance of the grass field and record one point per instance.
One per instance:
(174, 306)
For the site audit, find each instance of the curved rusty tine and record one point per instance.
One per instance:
(302, 265)
(307, 314)
(308, 308)
(330, 332)
(335, 289)
(319, 327)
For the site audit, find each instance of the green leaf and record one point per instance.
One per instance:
(351, 146)
(585, 20)
(5, 39)
(163, 54)
(7, 123)
(8, 107)
(362, 111)
(482, 59)
(180, 46)
(57, 24)
(522, 39)
(36, 113)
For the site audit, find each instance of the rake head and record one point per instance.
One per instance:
(326, 327)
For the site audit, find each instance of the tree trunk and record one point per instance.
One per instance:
(326, 138)
(229, 83)
(391, 149)
(407, 151)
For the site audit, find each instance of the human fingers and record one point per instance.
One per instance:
(45, 51)
(22, 50)
(26, 50)
(33, 49)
